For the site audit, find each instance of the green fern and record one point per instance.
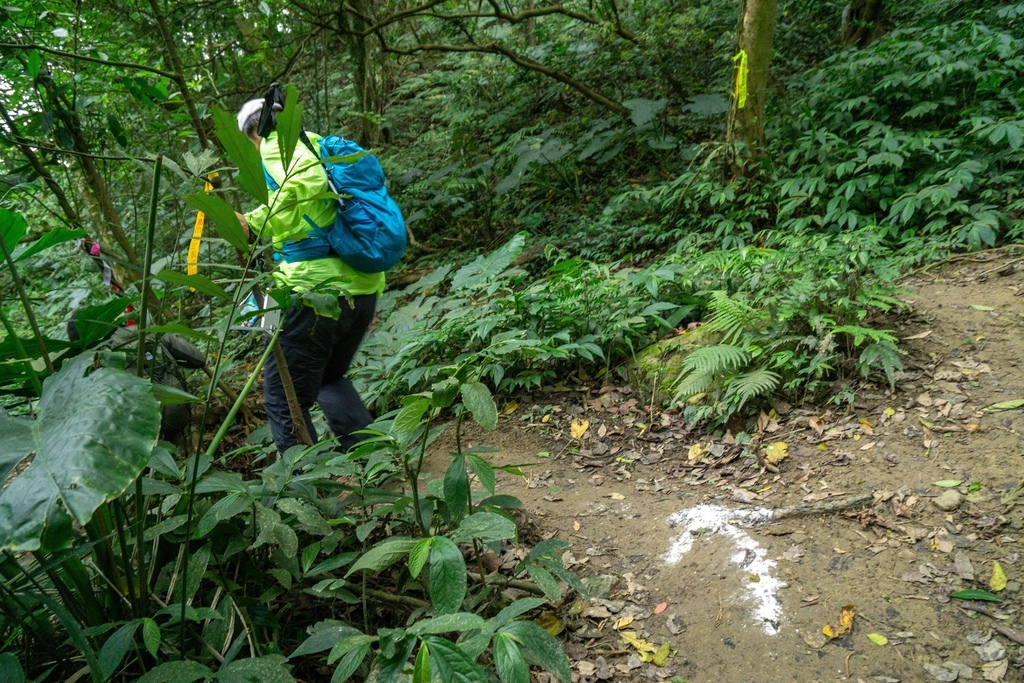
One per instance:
(703, 367)
(750, 385)
(731, 317)
(882, 353)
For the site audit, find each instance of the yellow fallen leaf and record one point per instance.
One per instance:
(696, 452)
(662, 655)
(546, 419)
(889, 412)
(510, 408)
(878, 638)
(822, 446)
(998, 580)
(623, 622)
(616, 496)
(578, 428)
(845, 623)
(550, 623)
(640, 645)
(775, 452)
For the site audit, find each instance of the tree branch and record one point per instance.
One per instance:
(94, 60)
(493, 48)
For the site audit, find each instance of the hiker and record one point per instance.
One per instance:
(164, 361)
(317, 350)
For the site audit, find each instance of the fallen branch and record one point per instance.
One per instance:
(822, 507)
(1015, 636)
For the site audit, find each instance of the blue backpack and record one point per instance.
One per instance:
(369, 230)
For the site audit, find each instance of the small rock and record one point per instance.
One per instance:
(599, 586)
(964, 672)
(979, 638)
(942, 673)
(603, 671)
(992, 651)
(948, 501)
(675, 625)
(964, 568)
(1012, 587)
(885, 679)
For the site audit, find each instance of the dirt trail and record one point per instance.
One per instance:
(748, 603)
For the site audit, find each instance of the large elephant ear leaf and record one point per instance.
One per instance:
(94, 433)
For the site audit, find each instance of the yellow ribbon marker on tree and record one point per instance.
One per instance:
(740, 93)
(192, 263)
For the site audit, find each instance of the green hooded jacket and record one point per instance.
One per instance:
(283, 221)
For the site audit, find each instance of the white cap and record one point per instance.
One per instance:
(247, 110)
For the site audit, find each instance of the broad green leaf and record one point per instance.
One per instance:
(180, 330)
(323, 636)
(545, 580)
(267, 669)
(309, 555)
(643, 111)
(1005, 405)
(540, 648)
(447, 623)
(13, 227)
(409, 417)
(223, 216)
(974, 594)
(116, 647)
(348, 664)
(243, 153)
(478, 399)
(878, 639)
(384, 554)
(456, 488)
(85, 452)
(324, 304)
(421, 670)
(452, 664)
(484, 471)
(151, 636)
(486, 527)
(48, 239)
(200, 283)
(10, 669)
(390, 665)
(418, 557)
(94, 323)
(177, 672)
(509, 661)
(289, 125)
(447, 576)
(516, 609)
(172, 396)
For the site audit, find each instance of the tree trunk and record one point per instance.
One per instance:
(172, 56)
(353, 23)
(860, 22)
(746, 118)
(25, 146)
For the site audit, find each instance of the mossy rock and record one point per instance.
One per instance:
(657, 366)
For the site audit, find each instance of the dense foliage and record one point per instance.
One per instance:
(573, 195)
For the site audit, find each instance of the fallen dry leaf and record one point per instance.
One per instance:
(920, 335)
(776, 452)
(817, 424)
(510, 408)
(696, 452)
(578, 428)
(616, 496)
(998, 580)
(845, 623)
(661, 608)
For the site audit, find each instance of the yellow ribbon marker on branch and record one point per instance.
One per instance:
(192, 263)
(740, 93)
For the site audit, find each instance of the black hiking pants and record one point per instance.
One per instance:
(318, 352)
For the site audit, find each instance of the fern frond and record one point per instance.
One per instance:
(691, 385)
(882, 353)
(750, 385)
(731, 317)
(714, 360)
